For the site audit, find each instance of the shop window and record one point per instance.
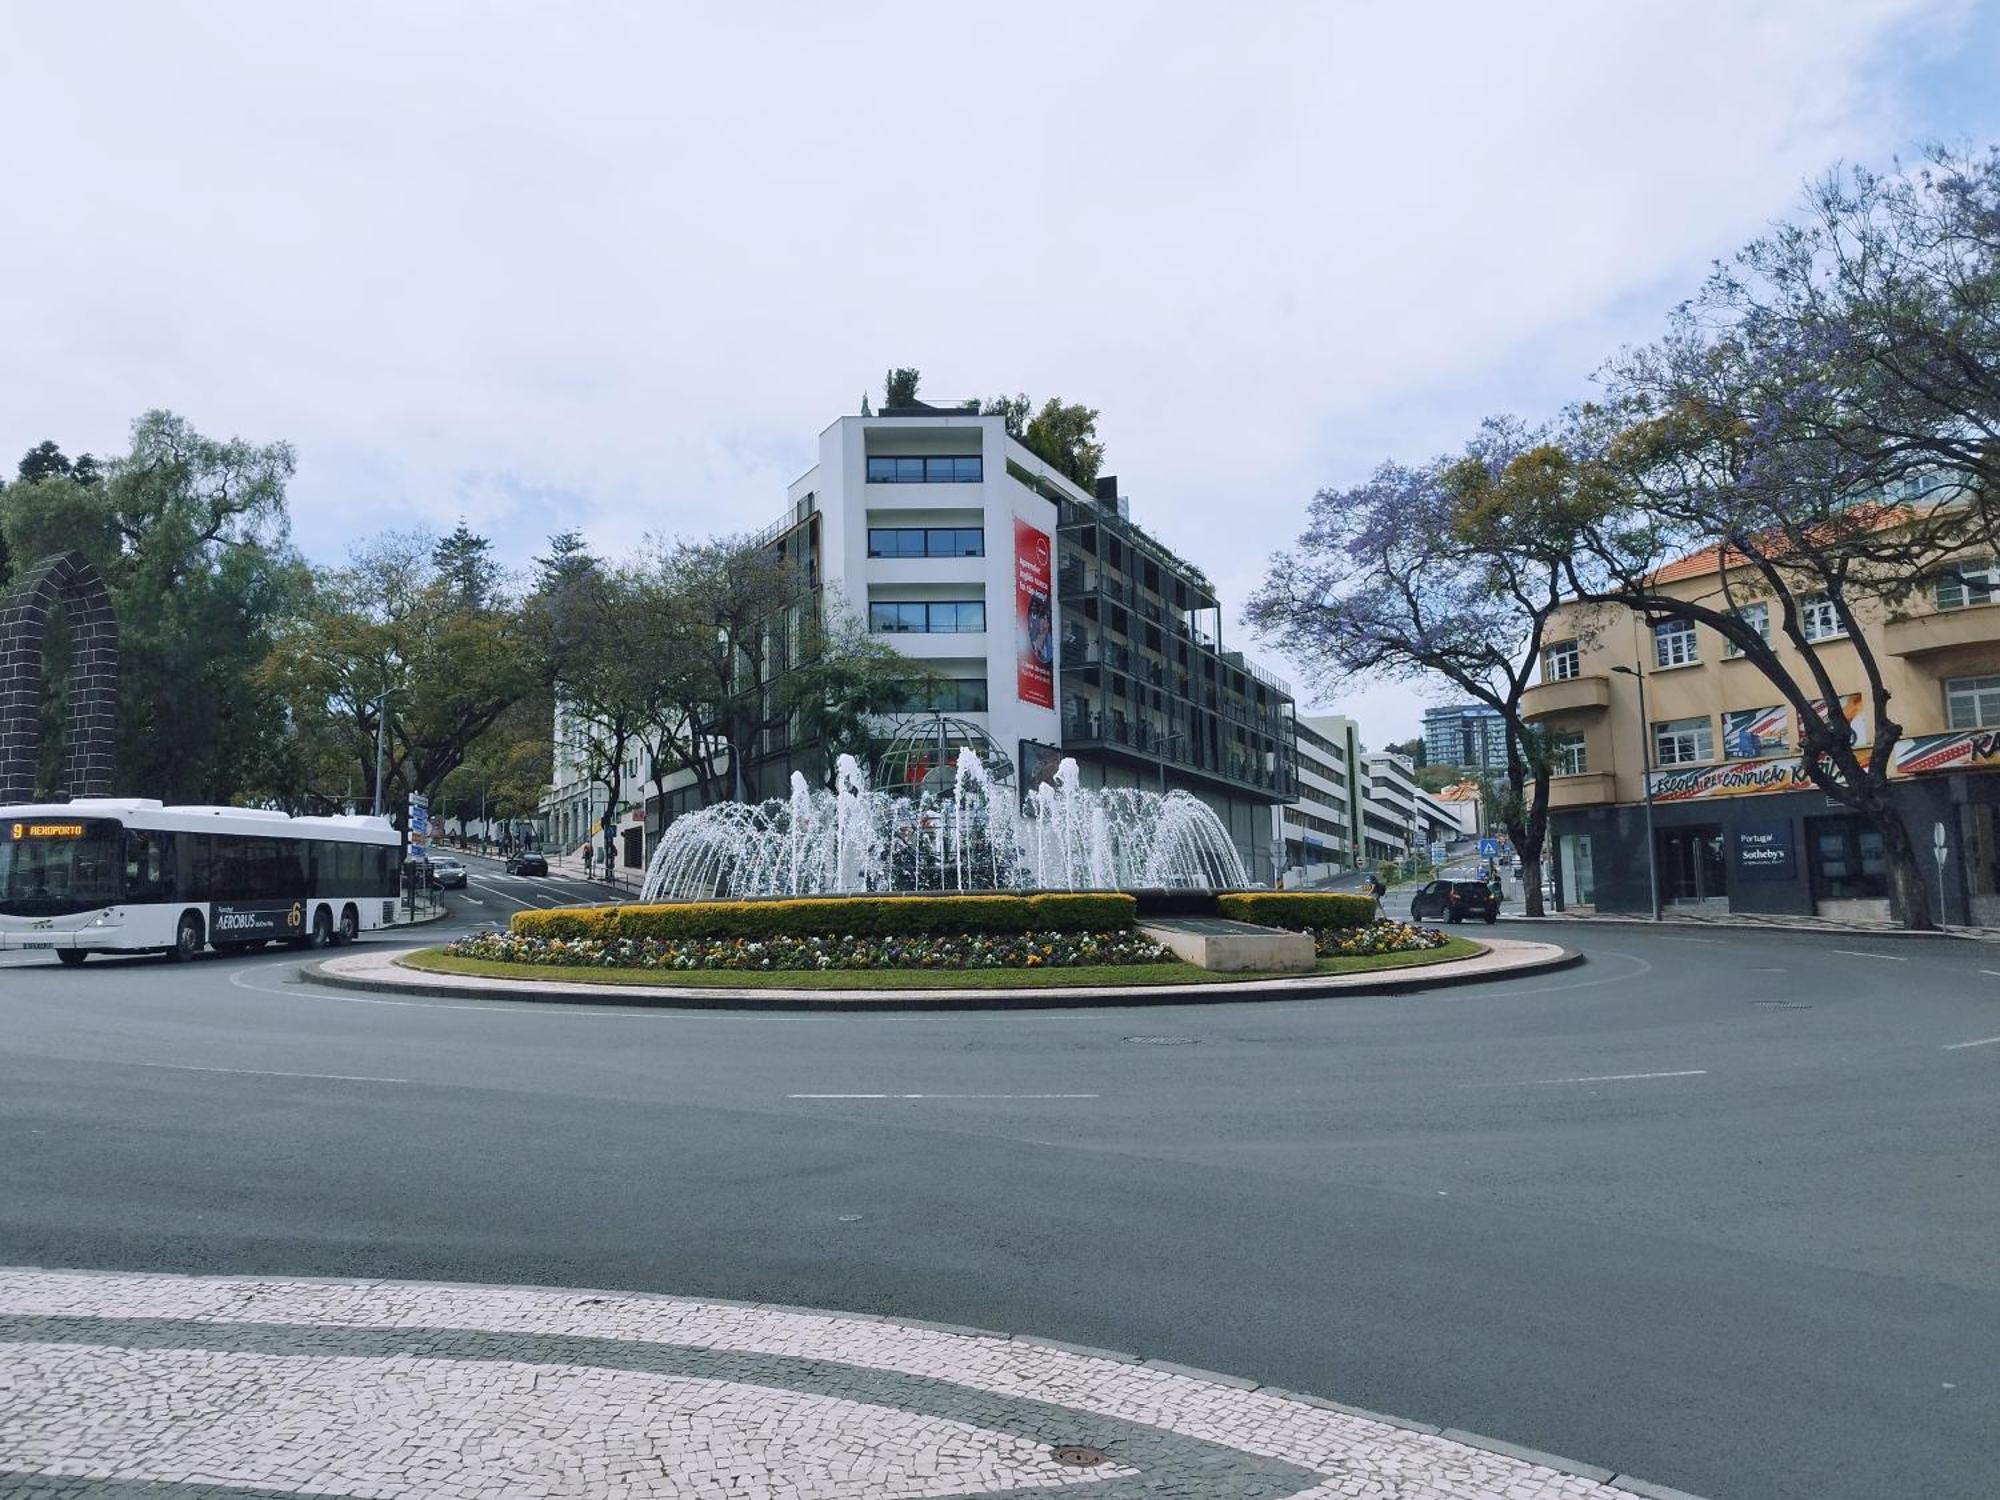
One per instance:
(1848, 861)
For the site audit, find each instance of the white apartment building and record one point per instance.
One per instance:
(1399, 817)
(1321, 829)
(1055, 626)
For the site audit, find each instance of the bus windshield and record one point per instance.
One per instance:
(51, 867)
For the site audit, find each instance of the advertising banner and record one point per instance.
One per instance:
(1968, 750)
(1854, 708)
(1745, 778)
(1761, 849)
(1034, 617)
(1754, 733)
(230, 922)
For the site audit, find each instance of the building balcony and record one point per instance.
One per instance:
(1568, 695)
(1947, 630)
(1588, 790)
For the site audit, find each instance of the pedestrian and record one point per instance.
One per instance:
(1378, 891)
(588, 856)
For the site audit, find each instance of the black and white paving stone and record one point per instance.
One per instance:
(170, 1387)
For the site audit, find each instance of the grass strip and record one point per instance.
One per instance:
(433, 960)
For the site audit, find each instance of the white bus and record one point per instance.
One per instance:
(126, 875)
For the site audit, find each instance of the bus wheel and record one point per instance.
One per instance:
(71, 957)
(187, 938)
(322, 929)
(350, 925)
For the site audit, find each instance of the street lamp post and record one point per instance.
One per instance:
(1646, 788)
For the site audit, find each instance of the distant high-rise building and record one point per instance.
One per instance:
(1470, 736)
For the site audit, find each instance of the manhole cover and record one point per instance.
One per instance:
(1078, 1456)
(1782, 1004)
(1162, 1041)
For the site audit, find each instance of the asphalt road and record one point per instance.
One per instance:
(1717, 1210)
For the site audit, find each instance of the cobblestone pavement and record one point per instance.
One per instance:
(174, 1387)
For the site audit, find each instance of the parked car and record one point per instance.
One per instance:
(527, 864)
(448, 872)
(1455, 900)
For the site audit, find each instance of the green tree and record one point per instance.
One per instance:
(388, 634)
(1412, 749)
(1016, 410)
(1437, 778)
(844, 679)
(1066, 436)
(190, 533)
(899, 387)
(465, 561)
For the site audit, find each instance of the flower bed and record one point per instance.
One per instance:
(863, 916)
(1377, 937)
(1021, 950)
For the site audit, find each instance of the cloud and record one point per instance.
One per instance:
(616, 266)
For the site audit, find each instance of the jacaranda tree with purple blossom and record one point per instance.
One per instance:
(1383, 584)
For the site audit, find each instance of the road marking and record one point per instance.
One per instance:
(270, 1073)
(1994, 972)
(1621, 1077)
(1985, 1041)
(943, 1096)
(502, 894)
(1677, 938)
(299, 990)
(1887, 958)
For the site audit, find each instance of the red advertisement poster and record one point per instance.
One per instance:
(1034, 618)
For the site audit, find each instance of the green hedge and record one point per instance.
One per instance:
(1297, 910)
(856, 916)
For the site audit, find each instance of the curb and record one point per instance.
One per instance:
(1597, 1473)
(665, 997)
(1830, 929)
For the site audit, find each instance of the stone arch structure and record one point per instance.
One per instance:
(90, 733)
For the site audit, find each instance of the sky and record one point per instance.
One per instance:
(614, 266)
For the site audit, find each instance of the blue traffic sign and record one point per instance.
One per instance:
(1489, 847)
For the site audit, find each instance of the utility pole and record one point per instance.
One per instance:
(1646, 787)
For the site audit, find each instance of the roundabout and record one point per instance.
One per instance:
(425, 972)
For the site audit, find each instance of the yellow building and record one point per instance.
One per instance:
(1738, 825)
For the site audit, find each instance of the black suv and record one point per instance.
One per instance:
(1455, 899)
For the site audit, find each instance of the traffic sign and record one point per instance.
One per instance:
(1937, 843)
(1489, 847)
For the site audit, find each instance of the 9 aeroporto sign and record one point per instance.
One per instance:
(21, 831)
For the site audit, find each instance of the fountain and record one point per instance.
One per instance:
(966, 836)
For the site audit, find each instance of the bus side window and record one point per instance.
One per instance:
(148, 866)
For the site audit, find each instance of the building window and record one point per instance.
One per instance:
(1566, 757)
(931, 617)
(1758, 618)
(1561, 662)
(1972, 702)
(1970, 582)
(926, 541)
(946, 695)
(1683, 742)
(959, 469)
(1818, 618)
(1674, 644)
